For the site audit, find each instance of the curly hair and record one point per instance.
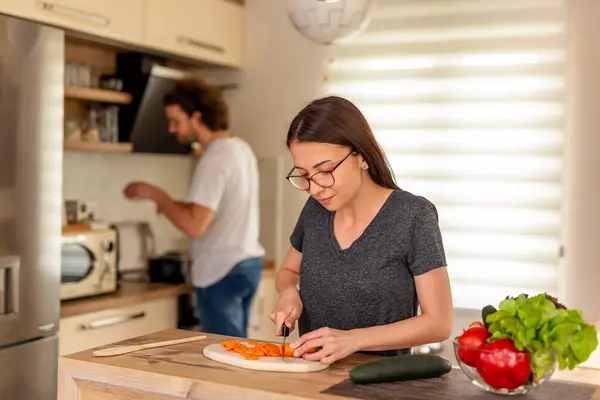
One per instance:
(193, 94)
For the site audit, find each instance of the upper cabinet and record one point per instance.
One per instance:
(208, 30)
(114, 19)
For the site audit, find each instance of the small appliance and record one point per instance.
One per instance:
(79, 211)
(88, 263)
(135, 245)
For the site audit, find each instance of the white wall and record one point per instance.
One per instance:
(282, 72)
(102, 177)
(581, 271)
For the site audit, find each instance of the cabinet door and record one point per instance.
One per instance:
(114, 19)
(85, 331)
(207, 30)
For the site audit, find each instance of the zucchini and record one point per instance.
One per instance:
(402, 367)
(485, 312)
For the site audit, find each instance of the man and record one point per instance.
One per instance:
(221, 214)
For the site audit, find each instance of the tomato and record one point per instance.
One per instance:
(477, 324)
(502, 366)
(472, 339)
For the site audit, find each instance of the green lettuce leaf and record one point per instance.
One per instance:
(547, 332)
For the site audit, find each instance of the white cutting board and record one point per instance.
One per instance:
(217, 352)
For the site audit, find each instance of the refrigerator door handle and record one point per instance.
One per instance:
(9, 284)
(112, 321)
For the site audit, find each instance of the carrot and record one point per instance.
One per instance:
(255, 350)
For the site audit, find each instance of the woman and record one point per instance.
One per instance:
(365, 253)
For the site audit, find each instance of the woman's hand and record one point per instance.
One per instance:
(335, 345)
(287, 310)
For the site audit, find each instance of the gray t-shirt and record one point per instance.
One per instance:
(371, 282)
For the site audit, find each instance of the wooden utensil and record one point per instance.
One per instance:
(118, 350)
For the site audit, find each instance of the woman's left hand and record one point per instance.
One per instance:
(335, 345)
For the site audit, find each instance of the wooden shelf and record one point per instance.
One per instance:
(99, 147)
(101, 95)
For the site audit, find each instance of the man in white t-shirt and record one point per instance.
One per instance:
(221, 214)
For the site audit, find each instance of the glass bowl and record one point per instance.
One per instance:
(504, 371)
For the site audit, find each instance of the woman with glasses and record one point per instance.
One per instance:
(365, 254)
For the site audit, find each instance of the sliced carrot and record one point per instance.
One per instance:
(288, 352)
(255, 350)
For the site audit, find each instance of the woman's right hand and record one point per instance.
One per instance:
(287, 310)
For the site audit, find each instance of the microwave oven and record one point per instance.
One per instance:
(88, 263)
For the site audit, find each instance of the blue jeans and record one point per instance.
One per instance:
(224, 307)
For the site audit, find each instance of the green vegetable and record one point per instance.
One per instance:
(546, 329)
(487, 310)
(401, 368)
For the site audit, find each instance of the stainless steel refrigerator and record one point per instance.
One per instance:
(31, 137)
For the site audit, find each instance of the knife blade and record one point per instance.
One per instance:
(285, 332)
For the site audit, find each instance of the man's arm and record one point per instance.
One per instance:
(191, 219)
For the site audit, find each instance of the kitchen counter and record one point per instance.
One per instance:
(129, 293)
(182, 372)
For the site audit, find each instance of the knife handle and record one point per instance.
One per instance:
(285, 331)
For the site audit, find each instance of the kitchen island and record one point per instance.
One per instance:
(182, 372)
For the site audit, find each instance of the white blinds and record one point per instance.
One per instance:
(466, 98)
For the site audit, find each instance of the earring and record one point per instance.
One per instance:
(365, 166)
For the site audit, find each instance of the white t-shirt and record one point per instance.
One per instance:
(225, 181)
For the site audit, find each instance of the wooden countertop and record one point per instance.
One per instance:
(182, 372)
(129, 293)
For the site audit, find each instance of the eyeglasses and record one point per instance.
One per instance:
(324, 179)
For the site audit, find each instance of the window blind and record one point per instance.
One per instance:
(466, 98)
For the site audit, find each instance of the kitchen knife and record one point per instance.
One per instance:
(285, 331)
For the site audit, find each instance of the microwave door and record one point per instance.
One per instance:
(31, 131)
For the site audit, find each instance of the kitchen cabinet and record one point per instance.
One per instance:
(114, 19)
(208, 30)
(104, 327)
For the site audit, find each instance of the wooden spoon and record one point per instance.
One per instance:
(115, 351)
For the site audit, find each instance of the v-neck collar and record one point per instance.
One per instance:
(350, 249)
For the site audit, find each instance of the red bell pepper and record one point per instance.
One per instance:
(502, 366)
(472, 339)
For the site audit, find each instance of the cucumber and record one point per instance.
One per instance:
(403, 367)
(487, 310)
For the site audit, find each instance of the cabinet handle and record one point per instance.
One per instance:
(74, 13)
(197, 43)
(111, 321)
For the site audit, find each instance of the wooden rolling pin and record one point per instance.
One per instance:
(118, 350)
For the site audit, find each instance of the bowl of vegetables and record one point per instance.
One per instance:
(519, 345)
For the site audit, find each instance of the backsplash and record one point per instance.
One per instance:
(101, 178)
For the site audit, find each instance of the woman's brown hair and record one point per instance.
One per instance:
(335, 120)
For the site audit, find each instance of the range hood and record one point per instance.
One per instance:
(143, 122)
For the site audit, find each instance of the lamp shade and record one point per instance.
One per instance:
(329, 21)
